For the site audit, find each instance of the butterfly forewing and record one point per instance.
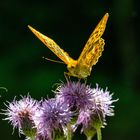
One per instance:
(94, 37)
(52, 46)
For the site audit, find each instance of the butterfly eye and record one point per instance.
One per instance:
(72, 67)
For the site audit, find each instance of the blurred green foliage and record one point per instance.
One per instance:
(69, 23)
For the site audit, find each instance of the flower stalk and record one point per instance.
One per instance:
(69, 132)
(99, 134)
(89, 138)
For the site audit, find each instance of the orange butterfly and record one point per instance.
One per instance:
(82, 67)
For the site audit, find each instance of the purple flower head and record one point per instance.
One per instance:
(20, 114)
(52, 116)
(102, 107)
(84, 118)
(76, 95)
(102, 102)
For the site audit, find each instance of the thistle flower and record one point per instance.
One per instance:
(76, 95)
(96, 115)
(20, 115)
(92, 104)
(51, 118)
(103, 102)
(76, 104)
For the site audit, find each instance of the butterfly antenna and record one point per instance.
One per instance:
(53, 60)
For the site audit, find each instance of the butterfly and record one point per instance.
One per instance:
(80, 68)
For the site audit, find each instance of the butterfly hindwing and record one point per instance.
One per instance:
(96, 51)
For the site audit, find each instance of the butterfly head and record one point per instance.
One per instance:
(71, 67)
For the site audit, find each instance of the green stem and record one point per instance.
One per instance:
(69, 132)
(32, 138)
(89, 138)
(4, 89)
(99, 134)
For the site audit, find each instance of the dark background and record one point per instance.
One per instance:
(69, 23)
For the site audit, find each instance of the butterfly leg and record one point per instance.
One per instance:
(85, 80)
(67, 76)
(82, 79)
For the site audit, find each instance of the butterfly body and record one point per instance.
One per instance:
(80, 68)
(80, 71)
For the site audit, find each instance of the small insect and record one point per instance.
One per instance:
(80, 68)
